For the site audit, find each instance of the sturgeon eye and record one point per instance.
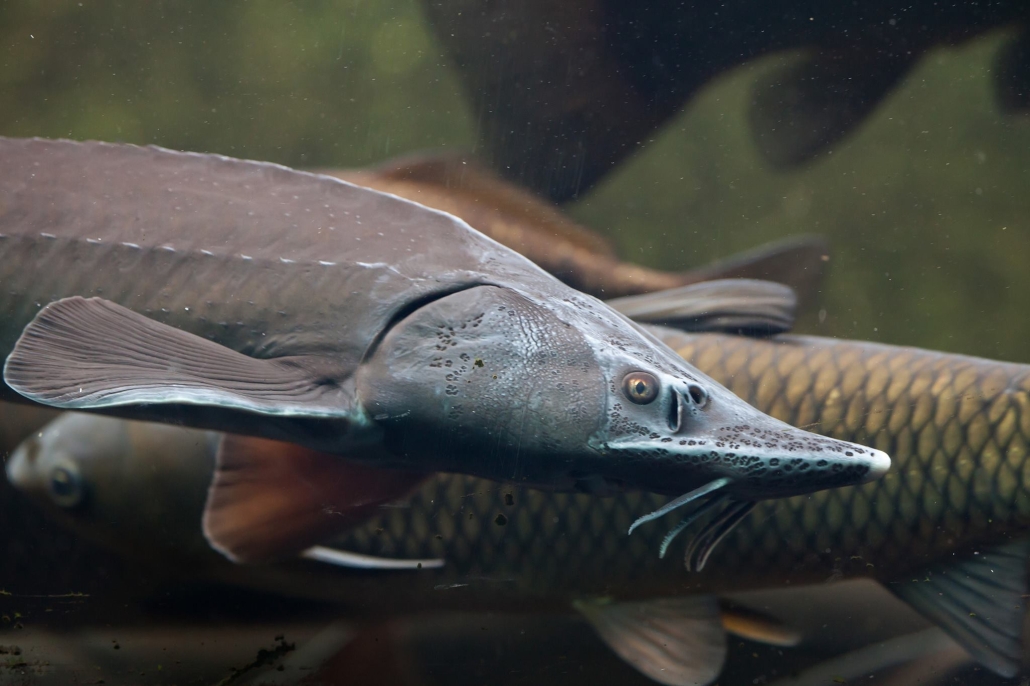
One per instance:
(640, 387)
(65, 485)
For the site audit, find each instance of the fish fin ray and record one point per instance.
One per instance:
(676, 641)
(90, 353)
(979, 602)
(269, 500)
(729, 305)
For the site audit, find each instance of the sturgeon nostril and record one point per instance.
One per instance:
(698, 395)
(675, 411)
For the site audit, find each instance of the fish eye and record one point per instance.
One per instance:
(65, 485)
(640, 387)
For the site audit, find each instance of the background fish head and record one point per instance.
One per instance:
(119, 483)
(573, 395)
(47, 465)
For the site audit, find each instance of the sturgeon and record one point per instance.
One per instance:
(251, 298)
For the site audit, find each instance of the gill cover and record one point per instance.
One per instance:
(486, 379)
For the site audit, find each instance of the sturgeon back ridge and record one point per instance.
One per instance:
(398, 322)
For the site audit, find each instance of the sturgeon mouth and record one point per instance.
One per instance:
(704, 542)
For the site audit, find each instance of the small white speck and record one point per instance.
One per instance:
(246, 257)
(206, 252)
(94, 241)
(186, 308)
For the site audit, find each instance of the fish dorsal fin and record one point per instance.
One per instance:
(800, 109)
(727, 305)
(758, 626)
(81, 353)
(676, 641)
(799, 262)
(271, 500)
(979, 601)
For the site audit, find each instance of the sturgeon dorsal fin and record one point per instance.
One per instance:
(676, 641)
(81, 353)
(728, 305)
(270, 500)
(979, 601)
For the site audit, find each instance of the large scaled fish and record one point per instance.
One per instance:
(248, 297)
(943, 531)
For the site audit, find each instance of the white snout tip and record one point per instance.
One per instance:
(879, 463)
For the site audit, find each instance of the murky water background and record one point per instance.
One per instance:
(926, 208)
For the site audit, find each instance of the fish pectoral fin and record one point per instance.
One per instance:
(345, 558)
(979, 601)
(89, 353)
(270, 500)
(758, 627)
(676, 641)
(728, 305)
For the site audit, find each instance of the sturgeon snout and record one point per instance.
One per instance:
(738, 454)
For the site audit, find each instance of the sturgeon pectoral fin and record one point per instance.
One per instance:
(728, 305)
(676, 641)
(979, 601)
(271, 500)
(81, 353)
(344, 558)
